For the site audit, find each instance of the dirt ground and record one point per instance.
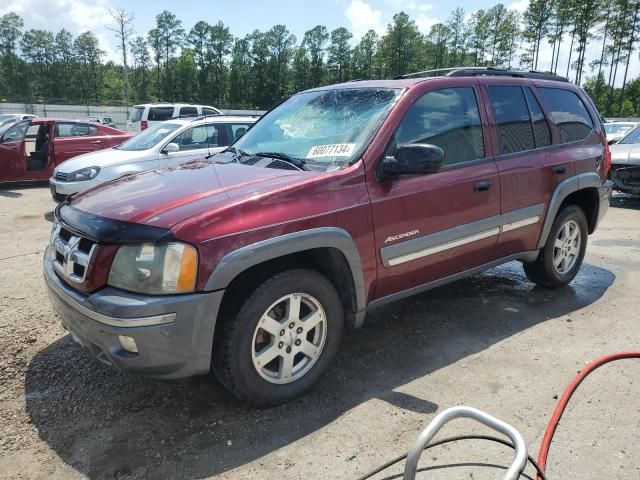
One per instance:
(492, 341)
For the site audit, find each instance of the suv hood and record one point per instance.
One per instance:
(170, 195)
(109, 157)
(625, 154)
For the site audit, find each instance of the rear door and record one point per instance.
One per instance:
(521, 140)
(431, 226)
(13, 164)
(75, 138)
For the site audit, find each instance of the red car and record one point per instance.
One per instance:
(30, 150)
(249, 264)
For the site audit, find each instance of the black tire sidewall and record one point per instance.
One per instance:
(570, 213)
(247, 382)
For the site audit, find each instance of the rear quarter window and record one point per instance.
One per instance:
(568, 112)
(160, 114)
(136, 114)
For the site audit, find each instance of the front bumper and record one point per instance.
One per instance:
(626, 178)
(63, 189)
(173, 334)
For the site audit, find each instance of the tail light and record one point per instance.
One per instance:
(607, 159)
(143, 125)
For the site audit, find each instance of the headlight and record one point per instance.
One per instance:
(83, 174)
(155, 268)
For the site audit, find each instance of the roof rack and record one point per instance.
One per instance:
(484, 72)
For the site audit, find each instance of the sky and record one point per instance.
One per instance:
(244, 16)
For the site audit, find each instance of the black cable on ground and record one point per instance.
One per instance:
(450, 440)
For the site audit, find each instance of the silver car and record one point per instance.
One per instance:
(625, 163)
(617, 130)
(163, 144)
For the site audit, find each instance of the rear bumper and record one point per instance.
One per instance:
(173, 334)
(605, 199)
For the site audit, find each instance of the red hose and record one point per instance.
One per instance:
(562, 403)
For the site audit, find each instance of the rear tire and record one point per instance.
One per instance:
(265, 353)
(561, 257)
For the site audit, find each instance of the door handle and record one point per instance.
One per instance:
(482, 186)
(559, 169)
(96, 141)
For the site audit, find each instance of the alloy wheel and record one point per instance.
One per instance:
(566, 249)
(289, 338)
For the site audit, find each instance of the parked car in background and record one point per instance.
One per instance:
(340, 199)
(617, 130)
(108, 121)
(30, 149)
(8, 118)
(148, 114)
(161, 145)
(625, 163)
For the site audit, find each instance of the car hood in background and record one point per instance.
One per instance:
(622, 153)
(109, 157)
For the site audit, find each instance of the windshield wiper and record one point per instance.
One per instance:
(235, 151)
(296, 162)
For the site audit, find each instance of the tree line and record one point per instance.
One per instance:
(208, 64)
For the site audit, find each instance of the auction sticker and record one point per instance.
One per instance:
(333, 150)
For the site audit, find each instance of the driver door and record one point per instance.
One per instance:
(430, 226)
(13, 163)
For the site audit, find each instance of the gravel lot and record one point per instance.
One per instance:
(492, 341)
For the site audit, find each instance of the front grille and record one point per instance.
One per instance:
(70, 254)
(62, 176)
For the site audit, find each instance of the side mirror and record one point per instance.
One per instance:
(170, 148)
(413, 159)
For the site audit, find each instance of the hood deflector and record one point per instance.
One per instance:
(107, 230)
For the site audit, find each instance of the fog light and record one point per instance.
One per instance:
(128, 344)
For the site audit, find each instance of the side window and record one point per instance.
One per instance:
(512, 118)
(238, 129)
(33, 130)
(160, 114)
(448, 118)
(72, 129)
(568, 113)
(188, 111)
(16, 132)
(208, 111)
(202, 136)
(541, 131)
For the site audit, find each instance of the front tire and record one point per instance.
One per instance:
(562, 255)
(281, 339)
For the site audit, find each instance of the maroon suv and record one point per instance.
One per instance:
(251, 262)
